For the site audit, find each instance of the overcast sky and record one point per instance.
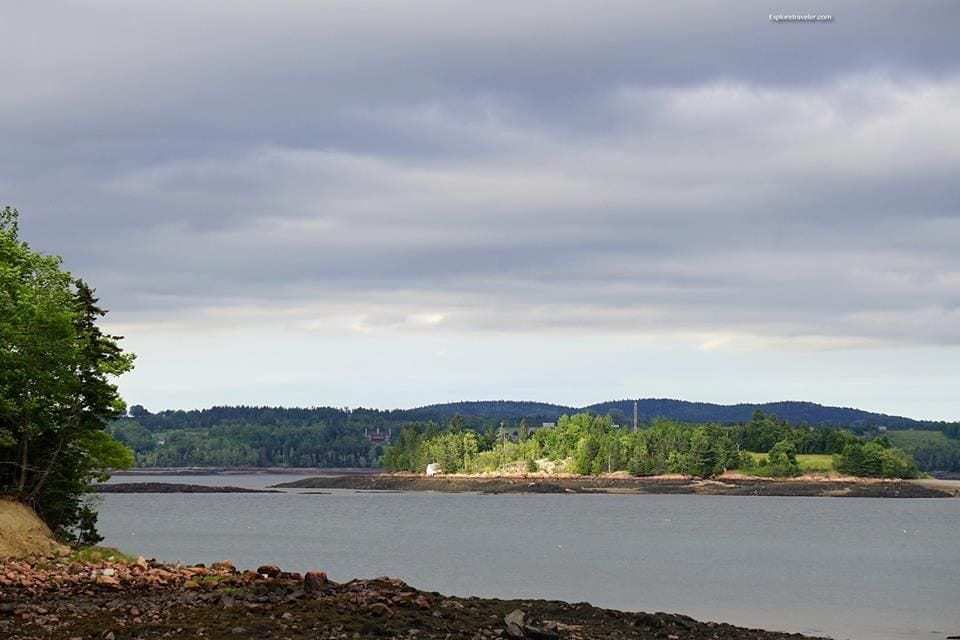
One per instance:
(394, 203)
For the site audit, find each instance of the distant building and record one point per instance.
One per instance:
(378, 436)
(548, 425)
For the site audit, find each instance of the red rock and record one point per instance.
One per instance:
(224, 566)
(380, 609)
(269, 570)
(314, 581)
(108, 581)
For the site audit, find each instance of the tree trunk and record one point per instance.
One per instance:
(46, 472)
(22, 484)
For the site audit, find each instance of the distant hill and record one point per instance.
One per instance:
(486, 410)
(495, 410)
(793, 412)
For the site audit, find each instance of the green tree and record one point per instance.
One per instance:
(782, 459)
(56, 389)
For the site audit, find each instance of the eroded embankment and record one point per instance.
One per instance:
(730, 487)
(22, 533)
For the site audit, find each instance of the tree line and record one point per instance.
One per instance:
(250, 445)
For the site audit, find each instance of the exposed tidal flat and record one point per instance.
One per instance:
(850, 568)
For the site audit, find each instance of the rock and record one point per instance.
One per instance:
(108, 581)
(269, 570)
(109, 571)
(287, 616)
(314, 581)
(423, 602)
(517, 627)
(380, 609)
(238, 631)
(224, 566)
(516, 620)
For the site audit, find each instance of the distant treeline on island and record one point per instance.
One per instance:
(358, 437)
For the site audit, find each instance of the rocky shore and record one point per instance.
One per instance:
(859, 488)
(61, 598)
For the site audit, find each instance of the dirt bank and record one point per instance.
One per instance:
(63, 600)
(22, 533)
(620, 485)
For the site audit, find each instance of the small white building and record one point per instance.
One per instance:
(433, 469)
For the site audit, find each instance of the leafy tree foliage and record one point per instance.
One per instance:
(56, 386)
(931, 450)
(763, 431)
(588, 444)
(877, 459)
(253, 445)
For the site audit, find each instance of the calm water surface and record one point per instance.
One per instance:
(844, 567)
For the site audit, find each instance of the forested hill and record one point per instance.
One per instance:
(793, 412)
(343, 437)
(650, 408)
(486, 411)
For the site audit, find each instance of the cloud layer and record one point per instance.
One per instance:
(463, 167)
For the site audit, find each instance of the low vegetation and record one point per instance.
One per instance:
(813, 463)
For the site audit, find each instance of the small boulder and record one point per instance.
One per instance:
(269, 570)
(516, 620)
(224, 566)
(108, 581)
(380, 609)
(314, 581)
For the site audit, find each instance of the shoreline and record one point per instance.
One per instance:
(60, 598)
(244, 471)
(731, 486)
(172, 487)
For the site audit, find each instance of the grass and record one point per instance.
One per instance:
(99, 554)
(815, 462)
(809, 462)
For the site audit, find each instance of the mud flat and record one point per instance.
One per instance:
(854, 488)
(171, 487)
(60, 599)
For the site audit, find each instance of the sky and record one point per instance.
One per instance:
(390, 204)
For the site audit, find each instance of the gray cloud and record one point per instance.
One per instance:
(523, 168)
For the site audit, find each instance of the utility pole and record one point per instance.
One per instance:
(502, 445)
(634, 415)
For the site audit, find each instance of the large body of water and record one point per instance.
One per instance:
(864, 569)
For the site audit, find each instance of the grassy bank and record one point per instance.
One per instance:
(812, 463)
